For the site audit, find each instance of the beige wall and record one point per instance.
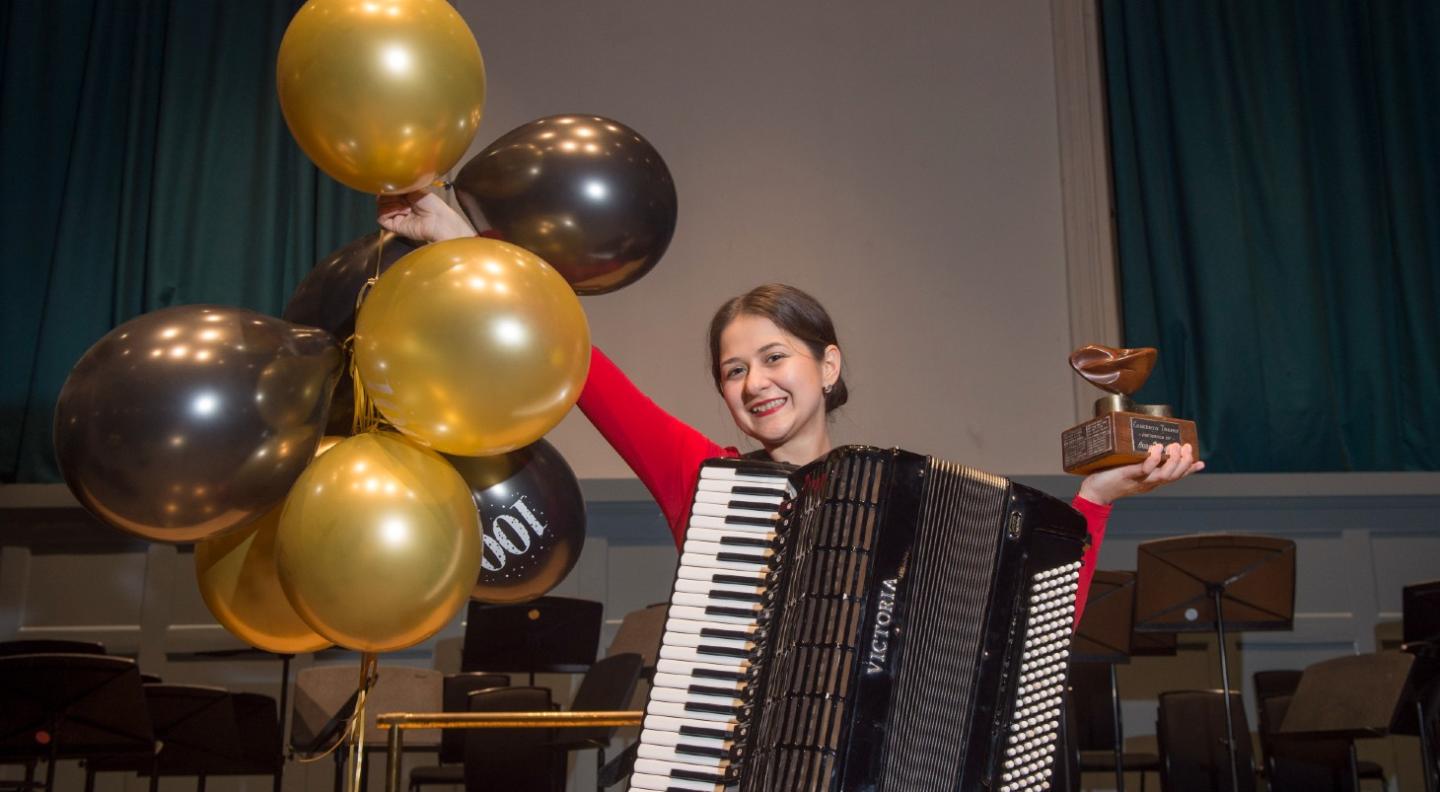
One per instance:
(899, 161)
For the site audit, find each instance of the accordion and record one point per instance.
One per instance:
(876, 620)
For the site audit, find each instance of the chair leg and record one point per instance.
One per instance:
(599, 768)
(200, 783)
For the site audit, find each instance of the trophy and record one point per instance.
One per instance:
(1122, 431)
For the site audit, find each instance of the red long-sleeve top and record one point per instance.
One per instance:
(666, 453)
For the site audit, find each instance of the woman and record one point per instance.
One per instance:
(778, 366)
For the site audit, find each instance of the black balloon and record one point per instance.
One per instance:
(585, 193)
(532, 521)
(193, 420)
(326, 299)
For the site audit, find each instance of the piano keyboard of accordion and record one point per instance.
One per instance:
(893, 622)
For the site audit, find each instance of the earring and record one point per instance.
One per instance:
(828, 388)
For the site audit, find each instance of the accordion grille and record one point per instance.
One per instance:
(808, 679)
(949, 597)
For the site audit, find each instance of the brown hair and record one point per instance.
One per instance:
(793, 311)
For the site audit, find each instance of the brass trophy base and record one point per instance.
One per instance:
(1121, 438)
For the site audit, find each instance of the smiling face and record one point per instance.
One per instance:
(774, 386)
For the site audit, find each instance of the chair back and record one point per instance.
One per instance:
(457, 690)
(257, 717)
(50, 646)
(323, 691)
(547, 634)
(1269, 684)
(1191, 733)
(195, 729)
(1093, 708)
(512, 758)
(608, 685)
(641, 632)
(1300, 764)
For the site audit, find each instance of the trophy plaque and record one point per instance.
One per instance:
(1122, 431)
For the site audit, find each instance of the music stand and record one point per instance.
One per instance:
(56, 706)
(1356, 696)
(1210, 582)
(550, 634)
(1104, 636)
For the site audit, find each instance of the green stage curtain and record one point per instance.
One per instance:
(1277, 189)
(145, 164)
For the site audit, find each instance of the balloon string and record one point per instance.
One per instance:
(369, 672)
(354, 725)
(366, 416)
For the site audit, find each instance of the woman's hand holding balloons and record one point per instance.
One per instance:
(421, 216)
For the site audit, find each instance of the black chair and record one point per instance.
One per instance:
(1093, 708)
(262, 746)
(1282, 684)
(1191, 733)
(50, 646)
(509, 760)
(1301, 765)
(608, 685)
(550, 634)
(196, 734)
(457, 691)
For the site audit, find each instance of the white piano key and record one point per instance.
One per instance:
(734, 477)
(698, 614)
(671, 753)
(728, 495)
(708, 586)
(729, 507)
(705, 601)
(710, 521)
(684, 696)
(694, 545)
(695, 627)
(659, 783)
(674, 709)
(710, 562)
(693, 669)
(673, 726)
(685, 681)
(695, 656)
(675, 738)
(694, 640)
(710, 573)
(664, 768)
(720, 535)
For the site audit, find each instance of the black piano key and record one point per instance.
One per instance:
(752, 505)
(748, 541)
(764, 492)
(705, 690)
(722, 651)
(742, 558)
(711, 673)
(700, 731)
(718, 709)
(696, 775)
(739, 580)
(736, 519)
(701, 750)
(738, 596)
(734, 635)
(717, 610)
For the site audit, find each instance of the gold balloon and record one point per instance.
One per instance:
(383, 95)
(474, 346)
(379, 543)
(238, 579)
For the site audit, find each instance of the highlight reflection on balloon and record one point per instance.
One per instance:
(532, 521)
(383, 95)
(473, 346)
(193, 420)
(326, 299)
(586, 193)
(378, 544)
